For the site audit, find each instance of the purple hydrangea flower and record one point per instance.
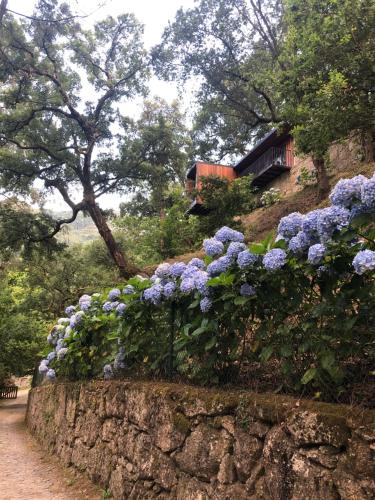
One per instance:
(70, 310)
(43, 367)
(299, 243)
(162, 271)
(114, 294)
(220, 265)
(274, 259)
(107, 372)
(364, 261)
(246, 259)
(62, 352)
(247, 290)
(213, 247)
(368, 193)
(316, 254)
(59, 345)
(107, 306)
(177, 269)
(205, 304)
(187, 285)
(120, 309)
(153, 294)
(189, 272)
(200, 281)
(85, 306)
(234, 248)
(332, 219)
(84, 298)
(226, 234)
(128, 290)
(51, 356)
(76, 319)
(197, 263)
(310, 223)
(347, 191)
(290, 225)
(51, 374)
(169, 289)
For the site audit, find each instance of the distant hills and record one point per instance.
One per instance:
(82, 230)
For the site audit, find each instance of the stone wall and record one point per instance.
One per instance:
(156, 440)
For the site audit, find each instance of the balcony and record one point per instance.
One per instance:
(269, 165)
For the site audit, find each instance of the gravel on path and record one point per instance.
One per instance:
(29, 473)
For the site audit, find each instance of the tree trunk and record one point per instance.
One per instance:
(3, 8)
(126, 270)
(322, 177)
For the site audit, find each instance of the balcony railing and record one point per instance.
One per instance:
(272, 157)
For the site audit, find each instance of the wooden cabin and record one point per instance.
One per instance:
(270, 157)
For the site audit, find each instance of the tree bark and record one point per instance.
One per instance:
(322, 177)
(3, 8)
(126, 270)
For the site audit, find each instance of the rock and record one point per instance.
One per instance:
(311, 481)
(247, 452)
(203, 451)
(311, 428)
(189, 488)
(327, 456)
(227, 471)
(350, 488)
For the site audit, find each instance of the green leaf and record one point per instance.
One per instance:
(210, 344)
(194, 304)
(239, 301)
(308, 376)
(266, 353)
(257, 248)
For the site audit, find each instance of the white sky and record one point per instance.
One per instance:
(154, 15)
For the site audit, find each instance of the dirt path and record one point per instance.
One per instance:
(29, 473)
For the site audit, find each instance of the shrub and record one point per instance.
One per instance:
(303, 300)
(270, 197)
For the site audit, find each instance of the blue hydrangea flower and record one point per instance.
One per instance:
(177, 269)
(246, 259)
(189, 272)
(299, 243)
(51, 339)
(51, 356)
(316, 254)
(187, 285)
(70, 310)
(114, 294)
(153, 294)
(332, 219)
(200, 281)
(120, 309)
(197, 263)
(310, 223)
(220, 265)
(169, 289)
(107, 372)
(290, 225)
(85, 306)
(213, 247)
(234, 248)
(107, 306)
(274, 259)
(43, 367)
(359, 209)
(76, 319)
(247, 290)
(84, 298)
(62, 352)
(128, 290)
(59, 345)
(205, 304)
(226, 234)
(51, 375)
(162, 271)
(347, 191)
(368, 193)
(364, 261)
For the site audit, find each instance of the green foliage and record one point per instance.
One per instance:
(224, 199)
(306, 177)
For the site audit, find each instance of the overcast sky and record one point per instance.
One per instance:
(154, 15)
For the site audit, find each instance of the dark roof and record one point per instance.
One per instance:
(273, 138)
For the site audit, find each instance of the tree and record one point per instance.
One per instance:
(159, 143)
(232, 47)
(328, 79)
(52, 128)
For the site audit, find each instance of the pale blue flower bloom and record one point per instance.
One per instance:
(247, 290)
(197, 263)
(234, 248)
(43, 367)
(347, 191)
(205, 304)
(274, 259)
(51, 375)
(107, 372)
(332, 219)
(368, 193)
(299, 243)
(51, 356)
(84, 298)
(169, 289)
(70, 310)
(62, 352)
(114, 294)
(153, 294)
(246, 259)
(221, 265)
(316, 253)
(177, 269)
(290, 225)
(364, 261)
(310, 223)
(187, 285)
(226, 234)
(128, 290)
(162, 271)
(200, 281)
(213, 247)
(120, 309)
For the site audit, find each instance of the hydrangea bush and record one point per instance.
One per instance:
(303, 299)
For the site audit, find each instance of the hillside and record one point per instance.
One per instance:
(81, 231)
